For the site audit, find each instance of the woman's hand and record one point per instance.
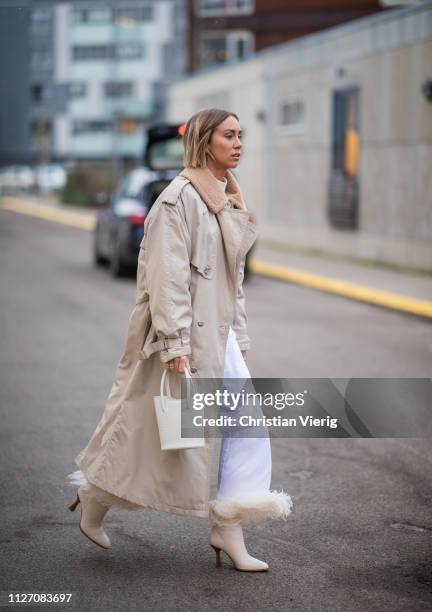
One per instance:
(178, 365)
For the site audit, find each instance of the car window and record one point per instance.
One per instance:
(135, 185)
(138, 182)
(120, 192)
(167, 154)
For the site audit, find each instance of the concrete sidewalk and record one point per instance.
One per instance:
(397, 289)
(49, 209)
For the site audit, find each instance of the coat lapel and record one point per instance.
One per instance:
(238, 235)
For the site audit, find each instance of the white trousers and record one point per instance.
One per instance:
(245, 464)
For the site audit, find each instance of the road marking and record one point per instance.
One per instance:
(49, 213)
(347, 289)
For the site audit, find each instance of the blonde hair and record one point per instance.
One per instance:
(198, 132)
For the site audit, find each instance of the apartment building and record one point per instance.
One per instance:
(98, 74)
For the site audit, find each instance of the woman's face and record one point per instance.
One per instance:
(225, 143)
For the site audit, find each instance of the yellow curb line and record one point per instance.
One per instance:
(361, 293)
(345, 288)
(41, 211)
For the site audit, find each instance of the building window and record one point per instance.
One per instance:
(221, 47)
(120, 16)
(128, 16)
(125, 50)
(292, 115)
(96, 15)
(206, 8)
(41, 61)
(83, 126)
(40, 29)
(91, 52)
(77, 89)
(118, 89)
(41, 14)
(343, 195)
(128, 50)
(127, 126)
(37, 92)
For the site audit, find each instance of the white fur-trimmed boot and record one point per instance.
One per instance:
(230, 539)
(92, 515)
(263, 506)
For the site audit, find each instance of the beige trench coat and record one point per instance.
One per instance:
(189, 292)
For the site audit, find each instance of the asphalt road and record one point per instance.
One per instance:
(360, 536)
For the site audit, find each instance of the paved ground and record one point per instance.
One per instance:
(360, 537)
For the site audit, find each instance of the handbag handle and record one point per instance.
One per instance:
(164, 379)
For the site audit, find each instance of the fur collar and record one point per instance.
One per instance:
(208, 188)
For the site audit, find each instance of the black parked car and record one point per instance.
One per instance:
(120, 225)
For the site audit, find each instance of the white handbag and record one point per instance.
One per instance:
(168, 414)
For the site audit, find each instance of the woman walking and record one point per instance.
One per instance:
(189, 314)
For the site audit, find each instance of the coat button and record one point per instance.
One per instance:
(193, 370)
(200, 323)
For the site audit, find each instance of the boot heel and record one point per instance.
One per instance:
(218, 556)
(74, 504)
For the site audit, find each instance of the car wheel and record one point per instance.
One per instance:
(117, 267)
(98, 258)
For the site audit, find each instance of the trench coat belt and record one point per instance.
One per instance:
(165, 343)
